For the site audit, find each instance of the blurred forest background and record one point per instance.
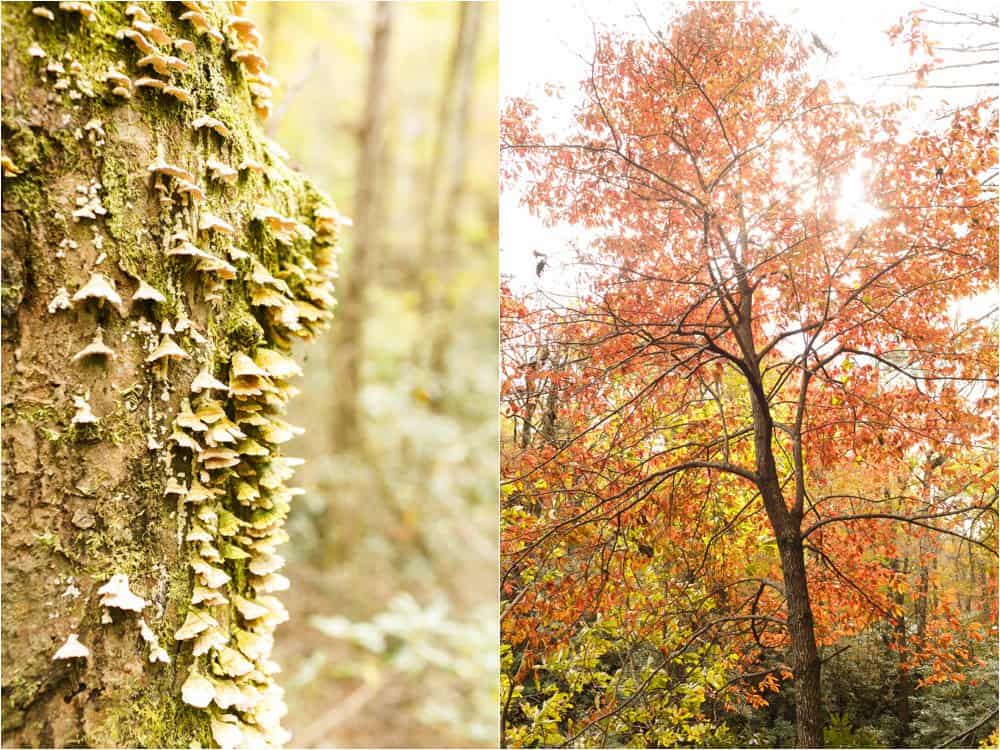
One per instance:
(392, 108)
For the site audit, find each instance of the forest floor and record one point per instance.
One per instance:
(327, 708)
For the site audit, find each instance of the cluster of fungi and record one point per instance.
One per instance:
(220, 450)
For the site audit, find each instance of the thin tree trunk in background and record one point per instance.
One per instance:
(349, 339)
(464, 59)
(445, 181)
(904, 679)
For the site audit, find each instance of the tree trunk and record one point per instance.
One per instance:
(805, 655)
(442, 256)
(112, 190)
(787, 528)
(348, 343)
(445, 185)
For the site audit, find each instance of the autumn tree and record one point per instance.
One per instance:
(762, 396)
(159, 259)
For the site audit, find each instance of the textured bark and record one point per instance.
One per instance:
(805, 656)
(82, 502)
(786, 525)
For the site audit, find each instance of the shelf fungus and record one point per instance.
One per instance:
(146, 294)
(252, 61)
(116, 594)
(245, 29)
(96, 349)
(10, 169)
(166, 351)
(42, 12)
(191, 191)
(221, 171)
(163, 64)
(86, 10)
(138, 39)
(282, 226)
(181, 95)
(147, 82)
(253, 165)
(156, 651)
(328, 220)
(121, 84)
(201, 24)
(83, 414)
(185, 45)
(212, 123)
(197, 690)
(210, 264)
(136, 11)
(100, 288)
(212, 223)
(205, 381)
(159, 166)
(151, 30)
(72, 649)
(174, 487)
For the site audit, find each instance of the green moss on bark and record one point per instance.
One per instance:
(87, 502)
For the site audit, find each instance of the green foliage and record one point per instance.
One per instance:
(603, 689)
(840, 733)
(424, 643)
(947, 709)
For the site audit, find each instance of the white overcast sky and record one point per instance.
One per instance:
(548, 41)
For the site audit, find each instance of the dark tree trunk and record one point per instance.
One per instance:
(787, 528)
(805, 655)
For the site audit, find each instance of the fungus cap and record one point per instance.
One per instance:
(146, 293)
(211, 223)
(117, 594)
(138, 39)
(207, 121)
(98, 287)
(181, 95)
(196, 622)
(241, 366)
(96, 348)
(277, 365)
(137, 11)
(160, 166)
(205, 381)
(222, 171)
(151, 30)
(227, 734)
(166, 350)
(83, 413)
(72, 649)
(197, 690)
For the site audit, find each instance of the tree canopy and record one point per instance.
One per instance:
(762, 418)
